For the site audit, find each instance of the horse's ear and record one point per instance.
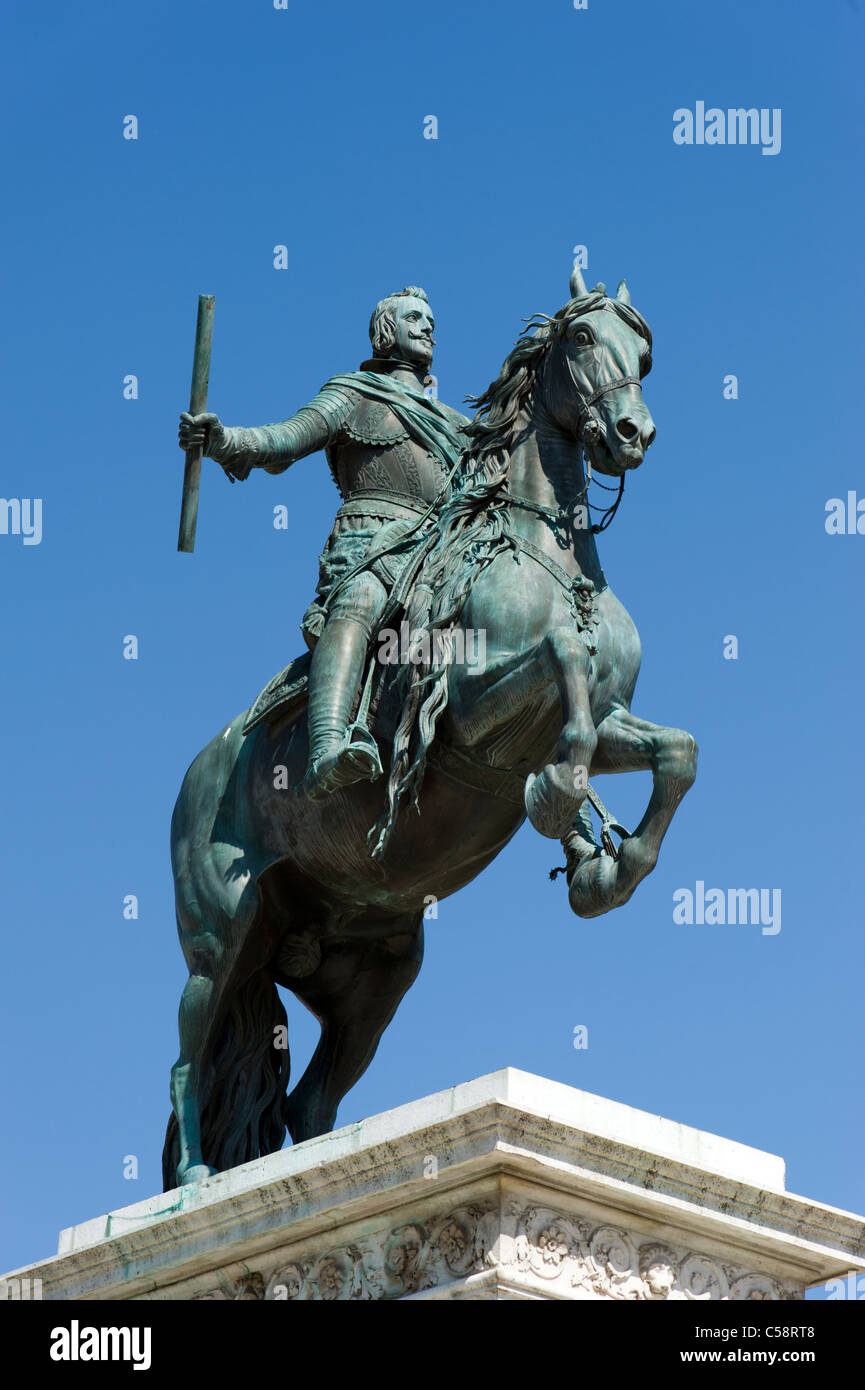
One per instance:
(577, 283)
(622, 293)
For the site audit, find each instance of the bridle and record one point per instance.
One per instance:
(559, 516)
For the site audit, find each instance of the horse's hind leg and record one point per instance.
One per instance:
(627, 743)
(354, 993)
(215, 910)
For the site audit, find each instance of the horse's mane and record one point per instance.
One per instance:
(472, 528)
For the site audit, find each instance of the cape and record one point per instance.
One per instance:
(426, 421)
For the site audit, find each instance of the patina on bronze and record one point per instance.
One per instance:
(325, 896)
(392, 452)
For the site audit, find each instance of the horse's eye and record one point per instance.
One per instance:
(582, 338)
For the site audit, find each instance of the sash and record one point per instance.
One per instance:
(424, 418)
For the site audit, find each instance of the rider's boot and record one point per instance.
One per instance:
(339, 753)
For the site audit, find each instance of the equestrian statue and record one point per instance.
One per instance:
(372, 775)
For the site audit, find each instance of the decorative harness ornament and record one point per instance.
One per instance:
(580, 591)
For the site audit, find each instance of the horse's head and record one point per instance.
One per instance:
(599, 349)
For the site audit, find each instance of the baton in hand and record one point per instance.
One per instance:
(197, 406)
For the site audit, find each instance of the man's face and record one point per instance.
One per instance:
(414, 332)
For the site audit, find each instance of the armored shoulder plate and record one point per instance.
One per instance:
(372, 422)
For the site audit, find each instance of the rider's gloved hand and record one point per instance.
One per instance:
(208, 432)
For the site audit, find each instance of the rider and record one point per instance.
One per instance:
(391, 450)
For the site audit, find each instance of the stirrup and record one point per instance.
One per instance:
(608, 825)
(356, 759)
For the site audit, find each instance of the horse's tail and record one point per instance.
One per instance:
(244, 1077)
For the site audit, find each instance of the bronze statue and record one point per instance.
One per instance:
(392, 451)
(325, 896)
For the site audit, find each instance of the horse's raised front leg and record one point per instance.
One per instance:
(559, 663)
(597, 882)
(554, 797)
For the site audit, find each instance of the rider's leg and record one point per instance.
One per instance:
(337, 757)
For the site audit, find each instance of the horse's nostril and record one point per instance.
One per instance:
(626, 429)
(649, 438)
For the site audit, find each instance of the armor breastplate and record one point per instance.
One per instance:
(373, 450)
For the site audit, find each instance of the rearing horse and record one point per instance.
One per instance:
(275, 889)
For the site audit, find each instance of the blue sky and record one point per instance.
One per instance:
(304, 127)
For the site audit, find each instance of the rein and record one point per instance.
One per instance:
(557, 517)
(586, 417)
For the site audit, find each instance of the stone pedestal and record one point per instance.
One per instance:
(508, 1187)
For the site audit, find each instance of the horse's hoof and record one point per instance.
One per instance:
(550, 809)
(197, 1173)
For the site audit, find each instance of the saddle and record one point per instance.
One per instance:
(284, 696)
